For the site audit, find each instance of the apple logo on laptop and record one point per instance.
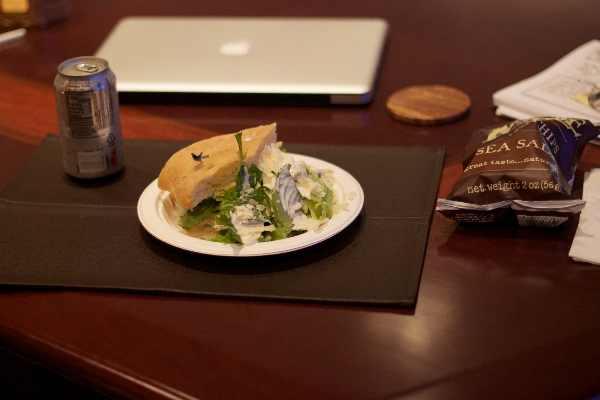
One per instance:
(235, 48)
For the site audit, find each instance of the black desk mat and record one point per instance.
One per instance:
(57, 232)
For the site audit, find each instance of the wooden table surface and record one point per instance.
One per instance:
(502, 312)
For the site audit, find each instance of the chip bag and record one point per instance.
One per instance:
(521, 171)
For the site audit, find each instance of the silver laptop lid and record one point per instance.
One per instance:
(333, 57)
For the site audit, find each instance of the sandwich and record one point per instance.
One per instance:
(190, 181)
(242, 188)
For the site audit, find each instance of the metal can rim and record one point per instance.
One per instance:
(103, 64)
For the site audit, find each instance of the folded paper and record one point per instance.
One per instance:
(586, 244)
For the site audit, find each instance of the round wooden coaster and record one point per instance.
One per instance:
(428, 104)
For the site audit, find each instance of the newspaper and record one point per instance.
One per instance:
(562, 90)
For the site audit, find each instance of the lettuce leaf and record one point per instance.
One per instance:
(199, 213)
(255, 176)
(320, 207)
(259, 196)
(240, 176)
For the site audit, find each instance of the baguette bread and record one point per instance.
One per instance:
(190, 181)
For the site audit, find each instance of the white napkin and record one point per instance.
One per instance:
(586, 244)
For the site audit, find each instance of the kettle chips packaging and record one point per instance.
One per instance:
(521, 172)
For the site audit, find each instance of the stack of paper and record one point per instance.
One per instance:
(587, 237)
(562, 90)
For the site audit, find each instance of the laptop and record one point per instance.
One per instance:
(297, 60)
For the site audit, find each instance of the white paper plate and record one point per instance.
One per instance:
(160, 221)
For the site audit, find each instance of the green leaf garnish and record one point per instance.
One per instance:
(241, 171)
(320, 207)
(199, 213)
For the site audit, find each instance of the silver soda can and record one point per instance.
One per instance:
(88, 118)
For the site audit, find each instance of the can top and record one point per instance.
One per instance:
(82, 66)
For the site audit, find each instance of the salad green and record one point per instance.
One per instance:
(277, 199)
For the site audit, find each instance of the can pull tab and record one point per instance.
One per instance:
(87, 67)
